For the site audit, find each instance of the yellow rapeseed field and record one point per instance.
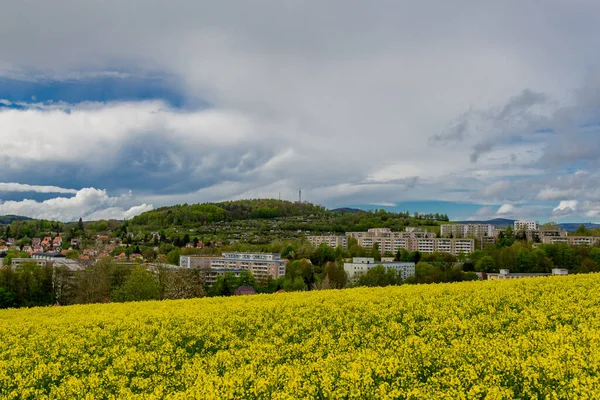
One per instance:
(531, 338)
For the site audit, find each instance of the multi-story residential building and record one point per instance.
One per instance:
(393, 241)
(523, 225)
(467, 230)
(410, 233)
(572, 240)
(505, 274)
(261, 265)
(332, 241)
(361, 265)
(52, 259)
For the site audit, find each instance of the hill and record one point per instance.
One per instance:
(527, 338)
(347, 210)
(572, 226)
(265, 220)
(9, 219)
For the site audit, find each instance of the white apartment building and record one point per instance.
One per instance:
(524, 225)
(361, 265)
(261, 265)
(467, 230)
(506, 274)
(423, 245)
(410, 233)
(331, 241)
(572, 240)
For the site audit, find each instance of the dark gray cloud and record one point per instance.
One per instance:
(346, 99)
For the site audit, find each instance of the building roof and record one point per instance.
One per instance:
(243, 290)
(55, 255)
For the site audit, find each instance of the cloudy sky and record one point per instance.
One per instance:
(476, 109)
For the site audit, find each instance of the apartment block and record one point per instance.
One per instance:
(331, 241)
(261, 265)
(506, 274)
(361, 265)
(467, 230)
(524, 225)
(410, 233)
(572, 240)
(423, 245)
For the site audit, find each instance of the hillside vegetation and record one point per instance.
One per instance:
(530, 338)
(289, 215)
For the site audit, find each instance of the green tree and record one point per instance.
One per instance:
(378, 276)
(294, 284)
(7, 298)
(225, 285)
(335, 275)
(140, 285)
(485, 264)
(173, 256)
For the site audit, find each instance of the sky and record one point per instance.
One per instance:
(474, 109)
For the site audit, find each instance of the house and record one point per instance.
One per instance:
(360, 265)
(46, 241)
(121, 256)
(36, 242)
(57, 241)
(74, 242)
(506, 274)
(244, 290)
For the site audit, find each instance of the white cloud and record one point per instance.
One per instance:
(20, 187)
(506, 209)
(119, 213)
(567, 205)
(88, 203)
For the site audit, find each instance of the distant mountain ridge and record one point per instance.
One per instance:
(9, 219)
(497, 222)
(503, 222)
(348, 210)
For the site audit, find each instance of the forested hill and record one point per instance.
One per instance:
(195, 214)
(9, 219)
(316, 217)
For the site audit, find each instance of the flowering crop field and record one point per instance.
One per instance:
(528, 338)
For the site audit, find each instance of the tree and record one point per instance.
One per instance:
(7, 298)
(246, 279)
(485, 264)
(182, 283)
(80, 224)
(93, 284)
(225, 284)
(294, 285)
(173, 256)
(335, 275)
(140, 285)
(72, 255)
(379, 276)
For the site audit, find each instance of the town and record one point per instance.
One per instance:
(219, 260)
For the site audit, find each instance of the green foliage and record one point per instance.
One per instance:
(485, 264)
(294, 284)
(30, 284)
(140, 285)
(7, 298)
(335, 274)
(379, 276)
